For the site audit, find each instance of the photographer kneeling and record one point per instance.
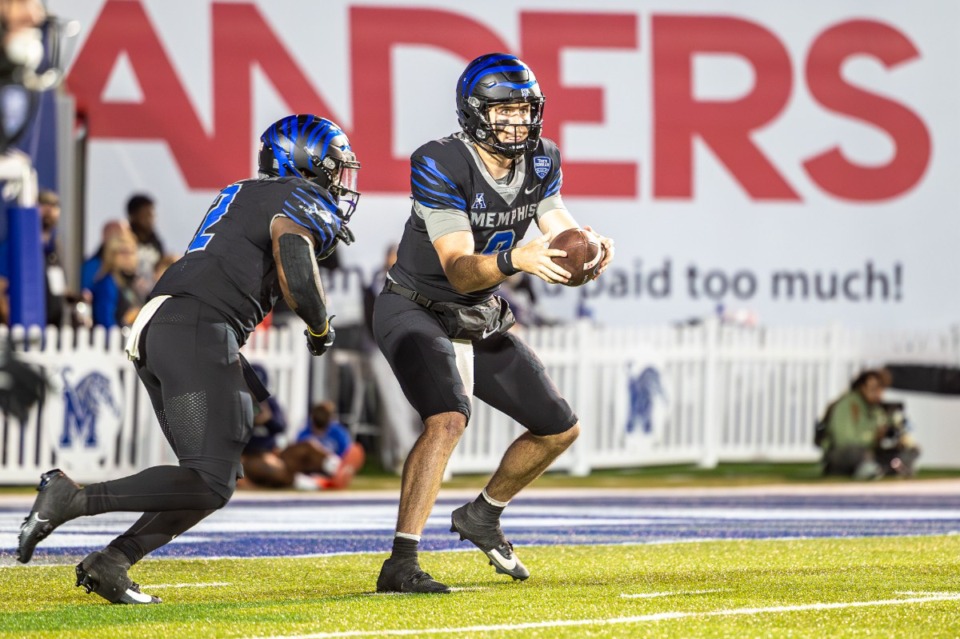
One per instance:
(861, 437)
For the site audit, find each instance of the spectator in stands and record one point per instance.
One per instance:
(141, 213)
(116, 301)
(91, 266)
(328, 433)
(856, 431)
(56, 280)
(63, 305)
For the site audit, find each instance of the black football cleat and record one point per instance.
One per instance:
(105, 573)
(490, 540)
(51, 508)
(405, 575)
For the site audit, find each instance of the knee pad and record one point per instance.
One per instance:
(555, 421)
(572, 432)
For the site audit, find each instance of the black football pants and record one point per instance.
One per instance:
(190, 366)
(508, 375)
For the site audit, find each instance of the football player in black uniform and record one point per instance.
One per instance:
(475, 194)
(260, 238)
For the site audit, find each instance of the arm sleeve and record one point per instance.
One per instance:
(303, 280)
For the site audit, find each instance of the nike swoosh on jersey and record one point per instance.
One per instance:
(531, 189)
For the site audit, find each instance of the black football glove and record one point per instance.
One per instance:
(318, 344)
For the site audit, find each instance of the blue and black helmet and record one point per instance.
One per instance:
(315, 149)
(498, 78)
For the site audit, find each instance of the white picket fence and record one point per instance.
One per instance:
(730, 394)
(726, 393)
(32, 446)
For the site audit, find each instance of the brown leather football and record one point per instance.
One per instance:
(584, 255)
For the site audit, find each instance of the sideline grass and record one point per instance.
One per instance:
(580, 586)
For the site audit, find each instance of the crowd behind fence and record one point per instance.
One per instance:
(702, 394)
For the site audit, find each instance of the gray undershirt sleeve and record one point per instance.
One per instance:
(548, 204)
(440, 222)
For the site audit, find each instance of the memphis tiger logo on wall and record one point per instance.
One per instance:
(85, 417)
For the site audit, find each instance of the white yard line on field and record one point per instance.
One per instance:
(205, 584)
(654, 595)
(661, 616)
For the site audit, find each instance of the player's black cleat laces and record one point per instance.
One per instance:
(405, 575)
(488, 538)
(105, 573)
(52, 507)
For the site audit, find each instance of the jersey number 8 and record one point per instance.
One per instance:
(499, 241)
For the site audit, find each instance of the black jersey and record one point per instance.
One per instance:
(229, 263)
(448, 178)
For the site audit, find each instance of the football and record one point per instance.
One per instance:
(584, 255)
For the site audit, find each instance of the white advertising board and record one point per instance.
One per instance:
(799, 161)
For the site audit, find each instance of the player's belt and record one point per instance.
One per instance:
(408, 293)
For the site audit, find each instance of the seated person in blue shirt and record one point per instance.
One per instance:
(324, 431)
(266, 465)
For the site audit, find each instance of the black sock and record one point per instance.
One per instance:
(404, 548)
(485, 511)
(154, 530)
(77, 506)
(118, 555)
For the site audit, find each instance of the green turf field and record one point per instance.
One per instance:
(872, 587)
